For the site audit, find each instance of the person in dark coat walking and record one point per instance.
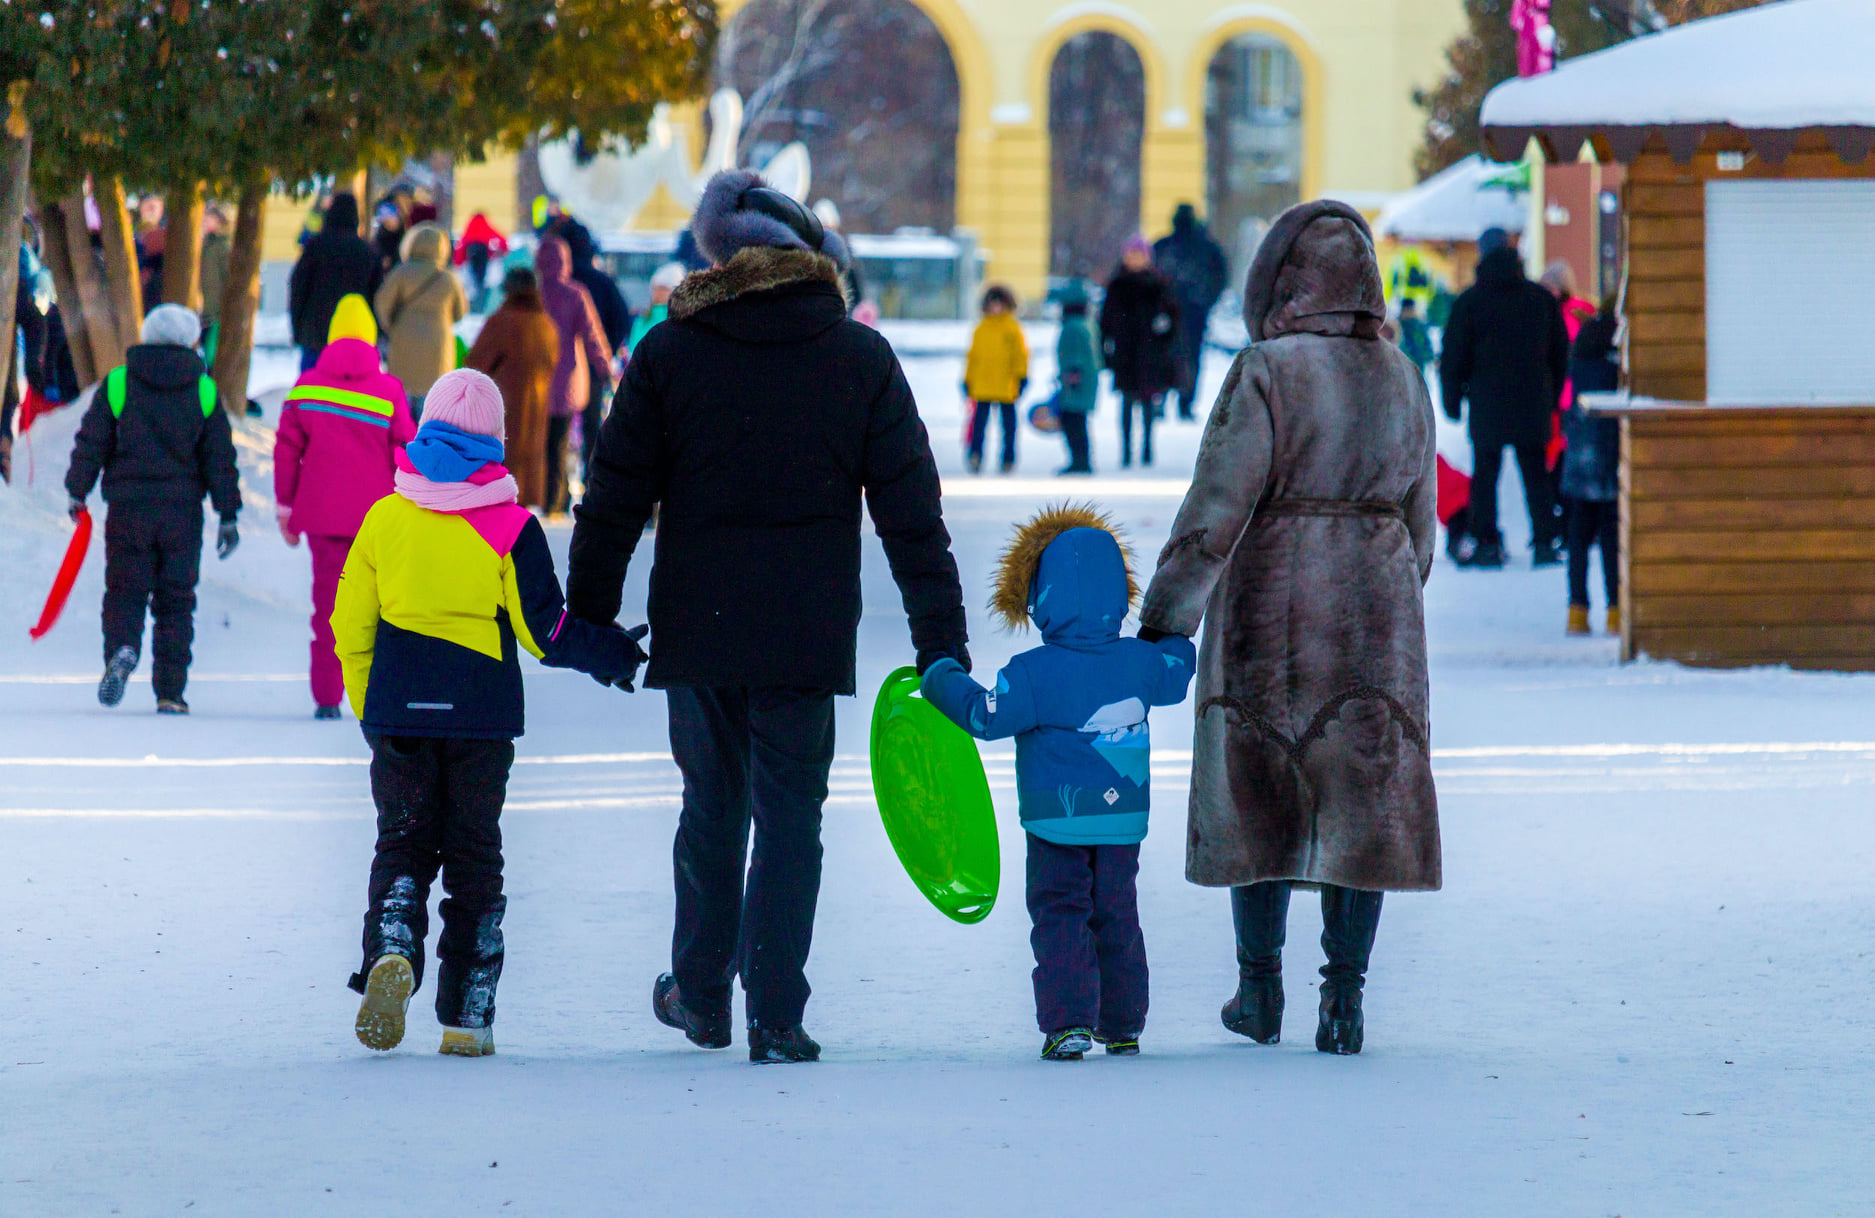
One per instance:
(1507, 351)
(1193, 260)
(1591, 470)
(755, 419)
(332, 265)
(1139, 335)
(157, 434)
(615, 319)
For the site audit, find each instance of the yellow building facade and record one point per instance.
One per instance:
(1360, 61)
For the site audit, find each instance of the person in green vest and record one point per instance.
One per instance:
(157, 436)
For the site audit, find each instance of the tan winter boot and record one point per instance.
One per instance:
(387, 993)
(468, 1042)
(1614, 619)
(1578, 621)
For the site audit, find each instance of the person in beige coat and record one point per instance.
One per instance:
(418, 307)
(1303, 546)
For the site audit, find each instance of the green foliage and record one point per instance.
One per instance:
(611, 62)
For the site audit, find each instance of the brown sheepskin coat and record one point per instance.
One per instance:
(1303, 545)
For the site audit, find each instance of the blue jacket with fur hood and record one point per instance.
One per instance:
(1077, 705)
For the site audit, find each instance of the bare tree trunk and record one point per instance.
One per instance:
(120, 260)
(182, 246)
(55, 246)
(16, 155)
(443, 165)
(94, 298)
(528, 184)
(241, 300)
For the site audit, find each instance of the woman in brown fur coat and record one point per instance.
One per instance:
(1303, 545)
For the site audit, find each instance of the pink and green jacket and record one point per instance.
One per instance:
(341, 427)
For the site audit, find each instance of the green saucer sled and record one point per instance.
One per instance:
(935, 801)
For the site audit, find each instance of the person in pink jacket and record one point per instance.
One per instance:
(335, 456)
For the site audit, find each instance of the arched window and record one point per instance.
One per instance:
(1096, 124)
(1253, 139)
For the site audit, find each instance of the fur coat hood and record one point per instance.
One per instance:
(1315, 273)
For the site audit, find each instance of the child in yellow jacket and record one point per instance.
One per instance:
(447, 582)
(996, 372)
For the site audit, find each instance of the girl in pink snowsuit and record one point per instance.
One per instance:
(335, 456)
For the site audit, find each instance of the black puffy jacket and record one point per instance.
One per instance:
(1139, 332)
(755, 419)
(334, 264)
(1507, 351)
(166, 448)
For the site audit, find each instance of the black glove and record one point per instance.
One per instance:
(226, 538)
(631, 658)
(928, 657)
(1152, 634)
(76, 509)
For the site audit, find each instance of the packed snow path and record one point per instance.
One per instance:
(1644, 990)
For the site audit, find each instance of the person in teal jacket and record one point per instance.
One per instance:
(1077, 360)
(1077, 707)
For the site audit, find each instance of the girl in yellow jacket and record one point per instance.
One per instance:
(996, 372)
(448, 580)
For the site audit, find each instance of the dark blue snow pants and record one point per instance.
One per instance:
(1090, 957)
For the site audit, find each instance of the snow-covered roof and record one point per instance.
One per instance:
(1777, 68)
(1455, 204)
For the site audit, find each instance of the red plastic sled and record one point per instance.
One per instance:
(68, 575)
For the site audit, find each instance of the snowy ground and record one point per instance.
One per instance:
(1644, 990)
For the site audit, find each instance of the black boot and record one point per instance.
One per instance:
(1350, 916)
(771, 1046)
(706, 1030)
(1260, 913)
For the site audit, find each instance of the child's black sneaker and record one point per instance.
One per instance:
(1119, 1044)
(706, 1031)
(774, 1046)
(116, 676)
(171, 706)
(1067, 1045)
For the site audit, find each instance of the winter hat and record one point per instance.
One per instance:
(1492, 240)
(468, 401)
(171, 324)
(352, 319)
(668, 276)
(1136, 244)
(740, 211)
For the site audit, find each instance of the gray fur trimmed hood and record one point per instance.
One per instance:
(755, 269)
(726, 223)
(1315, 273)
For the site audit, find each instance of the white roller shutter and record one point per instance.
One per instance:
(1790, 292)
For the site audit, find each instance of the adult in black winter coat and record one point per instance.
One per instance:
(1507, 352)
(754, 420)
(161, 441)
(1193, 260)
(615, 318)
(334, 264)
(1139, 335)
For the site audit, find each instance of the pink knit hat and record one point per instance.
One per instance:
(468, 400)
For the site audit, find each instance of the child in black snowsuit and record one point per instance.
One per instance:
(161, 440)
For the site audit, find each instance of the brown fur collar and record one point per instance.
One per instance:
(1023, 558)
(756, 269)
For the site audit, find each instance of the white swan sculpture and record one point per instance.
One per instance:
(612, 188)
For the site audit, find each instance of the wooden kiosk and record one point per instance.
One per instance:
(1748, 425)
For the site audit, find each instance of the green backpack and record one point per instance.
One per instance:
(114, 387)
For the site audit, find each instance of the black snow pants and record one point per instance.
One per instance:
(759, 755)
(439, 808)
(152, 559)
(1594, 523)
(1350, 918)
(1090, 956)
(1533, 465)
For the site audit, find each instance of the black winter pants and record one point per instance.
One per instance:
(1350, 917)
(439, 809)
(1074, 431)
(1592, 523)
(152, 559)
(1533, 466)
(1192, 324)
(557, 429)
(980, 431)
(1148, 411)
(758, 755)
(1090, 956)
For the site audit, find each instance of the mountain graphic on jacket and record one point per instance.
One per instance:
(1077, 705)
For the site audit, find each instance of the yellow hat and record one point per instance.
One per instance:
(352, 319)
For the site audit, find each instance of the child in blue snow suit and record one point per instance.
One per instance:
(1077, 707)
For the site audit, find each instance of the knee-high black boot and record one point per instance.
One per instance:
(1350, 916)
(1260, 913)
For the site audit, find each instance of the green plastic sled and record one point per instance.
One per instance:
(935, 801)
